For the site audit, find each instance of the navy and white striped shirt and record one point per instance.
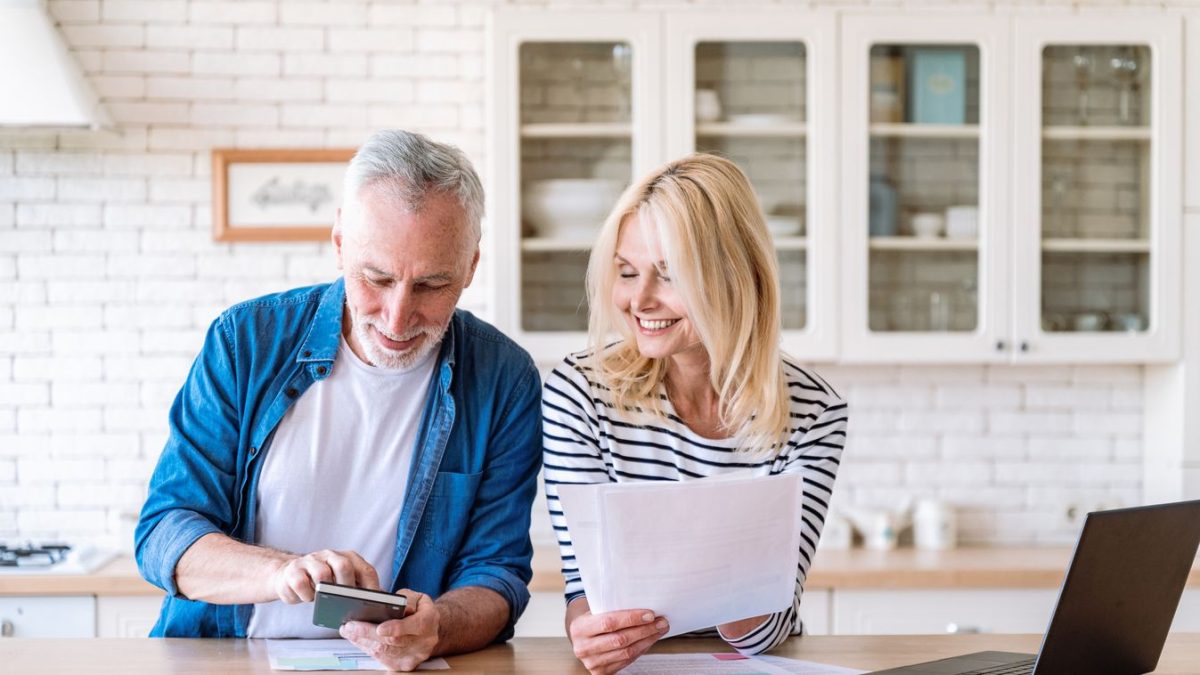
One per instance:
(587, 440)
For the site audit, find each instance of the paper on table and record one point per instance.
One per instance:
(700, 553)
(328, 655)
(730, 664)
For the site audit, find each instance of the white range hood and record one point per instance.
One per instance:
(40, 84)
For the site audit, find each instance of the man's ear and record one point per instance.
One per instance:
(474, 264)
(336, 237)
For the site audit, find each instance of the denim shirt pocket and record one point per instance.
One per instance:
(448, 513)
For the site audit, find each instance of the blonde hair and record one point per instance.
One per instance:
(722, 263)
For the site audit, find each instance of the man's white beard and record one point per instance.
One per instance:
(381, 357)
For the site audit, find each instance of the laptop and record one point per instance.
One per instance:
(1116, 604)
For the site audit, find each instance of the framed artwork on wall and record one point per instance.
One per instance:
(276, 194)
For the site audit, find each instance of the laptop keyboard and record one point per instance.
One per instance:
(1019, 668)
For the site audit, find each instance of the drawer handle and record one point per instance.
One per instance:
(6, 628)
(958, 629)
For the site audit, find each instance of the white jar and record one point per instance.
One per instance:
(934, 525)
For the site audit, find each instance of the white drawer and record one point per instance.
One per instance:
(48, 616)
(927, 611)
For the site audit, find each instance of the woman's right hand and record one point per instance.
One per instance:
(606, 643)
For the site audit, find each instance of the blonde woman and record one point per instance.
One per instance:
(684, 273)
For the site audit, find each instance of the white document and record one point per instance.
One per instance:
(328, 655)
(700, 553)
(730, 664)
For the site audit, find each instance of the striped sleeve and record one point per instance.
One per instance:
(816, 456)
(571, 453)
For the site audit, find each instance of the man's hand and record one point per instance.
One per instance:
(295, 580)
(400, 644)
(606, 643)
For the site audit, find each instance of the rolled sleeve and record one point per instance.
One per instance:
(166, 544)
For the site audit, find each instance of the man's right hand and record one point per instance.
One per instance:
(606, 643)
(295, 580)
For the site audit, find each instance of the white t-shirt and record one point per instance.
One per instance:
(336, 474)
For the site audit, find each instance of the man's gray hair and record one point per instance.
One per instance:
(412, 167)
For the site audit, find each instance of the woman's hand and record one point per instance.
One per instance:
(606, 643)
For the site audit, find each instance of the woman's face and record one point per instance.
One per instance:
(645, 296)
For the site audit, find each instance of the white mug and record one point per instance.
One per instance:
(934, 525)
(708, 105)
(928, 225)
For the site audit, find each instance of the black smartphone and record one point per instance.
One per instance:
(336, 604)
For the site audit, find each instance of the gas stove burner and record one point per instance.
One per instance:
(32, 555)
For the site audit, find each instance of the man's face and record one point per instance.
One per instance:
(404, 274)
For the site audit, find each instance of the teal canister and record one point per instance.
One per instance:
(883, 207)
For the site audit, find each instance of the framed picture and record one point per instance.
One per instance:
(276, 194)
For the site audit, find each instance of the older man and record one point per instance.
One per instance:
(363, 432)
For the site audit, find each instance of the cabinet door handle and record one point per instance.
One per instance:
(959, 629)
(1001, 345)
(6, 628)
(1024, 347)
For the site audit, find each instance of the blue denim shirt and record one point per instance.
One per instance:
(465, 517)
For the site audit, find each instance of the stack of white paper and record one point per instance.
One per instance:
(700, 553)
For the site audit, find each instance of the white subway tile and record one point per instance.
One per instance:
(25, 342)
(129, 315)
(192, 37)
(1110, 423)
(253, 39)
(387, 40)
(161, 266)
(316, 64)
(136, 112)
(72, 368)
(104, 35)
(147, 216)
(75, 11)
(58, 420)
(924, 473)
(76, 292)
(241, 266)
(324, 115)
(179, 191)
(235, 63)
(145, 11)
(289, 89)
(159, 395)
(126, 138)
(142, 368)
(889, 396)
(26, 189)
(161, 341)
(61, 522)
(24, 394)
(1026, 374)
(189, 139)
(441, 41)
(1107, 374)
(146, 61)
(276, 138)
(90, 343)
(235, 115)
(966, 421)
(131, 469)
(1054, 448)
(422, 66)
(890, 446)
(957, 446)
(232, 12)
(133, 419)
(176, 241)
(1067, 397)
(428, 118)
(26, 241)
(119, 86)
(58, 215)
(298, 13)
(27, 495)
(1026, 422)
(37, 266)
(169, 290)
(8, 267)
(101, 189)
(343, 90)
(992, 396)
(863, 473)
(189, 88)
(447, 91)
(414, 15)
(33, 163)
(81, 394)
(59, 316)
(155, 165)
(101, 495)
(107, 444)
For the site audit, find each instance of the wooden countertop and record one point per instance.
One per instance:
(526, 656)
(856, 568)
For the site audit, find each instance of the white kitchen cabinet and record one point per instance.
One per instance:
(1064, 141)
(48, 616)
(815, 611)
(126, 616)
(569, 125)
(931, 611)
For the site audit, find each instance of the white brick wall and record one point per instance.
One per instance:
(109, 275)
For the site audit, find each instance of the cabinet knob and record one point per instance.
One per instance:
(1024, 347)
(1001, 345)
(6, 628)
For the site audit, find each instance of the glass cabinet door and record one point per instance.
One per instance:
(752, 96)
(923, 175)
(1098, 224)
(576, 159)
(575, 118)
